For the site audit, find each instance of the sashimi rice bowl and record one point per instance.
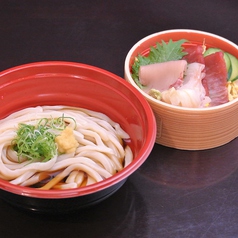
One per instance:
(190, 79)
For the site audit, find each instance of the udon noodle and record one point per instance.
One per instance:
(97, 152)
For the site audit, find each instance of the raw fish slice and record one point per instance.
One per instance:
(161, 76)
(195, 54)
(216, 74)
(192, 94)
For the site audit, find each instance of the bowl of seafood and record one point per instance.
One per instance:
(190, 79)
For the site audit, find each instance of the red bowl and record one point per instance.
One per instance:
(80, 85)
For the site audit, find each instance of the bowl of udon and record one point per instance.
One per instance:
(71, 135)
(189, 77)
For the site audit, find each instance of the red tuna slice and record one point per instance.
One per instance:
(216, 74)
(195, 54)
(161, 76)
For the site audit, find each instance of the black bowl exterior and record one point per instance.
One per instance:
(61, 205)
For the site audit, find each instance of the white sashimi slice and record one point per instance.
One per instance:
(161, 76)
(192, 93)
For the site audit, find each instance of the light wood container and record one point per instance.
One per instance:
(188, 128)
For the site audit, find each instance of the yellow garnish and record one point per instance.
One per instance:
(232, 89)
(66, 141)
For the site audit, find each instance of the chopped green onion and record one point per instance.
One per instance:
(37, 142)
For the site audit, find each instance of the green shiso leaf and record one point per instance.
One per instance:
(162, 52)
